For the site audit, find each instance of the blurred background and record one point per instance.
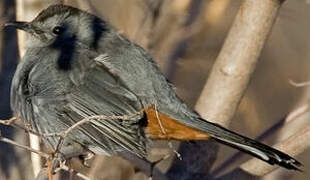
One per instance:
(184, 37)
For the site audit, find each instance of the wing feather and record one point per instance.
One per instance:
(88, 89)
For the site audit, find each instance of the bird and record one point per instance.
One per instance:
(77, 66)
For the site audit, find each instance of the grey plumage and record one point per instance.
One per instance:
(77, 66)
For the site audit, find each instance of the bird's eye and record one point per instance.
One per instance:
(58, 30)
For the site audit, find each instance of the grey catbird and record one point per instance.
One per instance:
(77, 66)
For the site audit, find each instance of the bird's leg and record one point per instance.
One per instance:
(85, 158)
(66, 152)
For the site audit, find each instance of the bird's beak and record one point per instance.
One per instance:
(19, 25)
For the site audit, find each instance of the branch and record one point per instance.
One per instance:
(229, 79)
(9, 141)
(38, 152)
(236, 62)
(25, 14)
(11, 122)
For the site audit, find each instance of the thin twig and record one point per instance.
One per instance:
(9, 121)
(42, 154)
(86, 120)
(9, 141)
(299, 84)
(163, 130)
(12, 122)
(63, 134)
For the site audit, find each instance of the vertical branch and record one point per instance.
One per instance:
(228, 80)
(24, 14)
(236, 62)
(21, 35)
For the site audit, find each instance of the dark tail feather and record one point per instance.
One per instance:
(255, 148)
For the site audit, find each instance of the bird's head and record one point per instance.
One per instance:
(60, 24)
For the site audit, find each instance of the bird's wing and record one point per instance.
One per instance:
(59, 99)
(100, 91)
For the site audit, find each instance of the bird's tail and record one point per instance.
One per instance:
(250, 146)
(200, 129)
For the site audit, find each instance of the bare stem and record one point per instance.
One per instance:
(12, 122)
(237, 60)
(9, 141)
(228, 80)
